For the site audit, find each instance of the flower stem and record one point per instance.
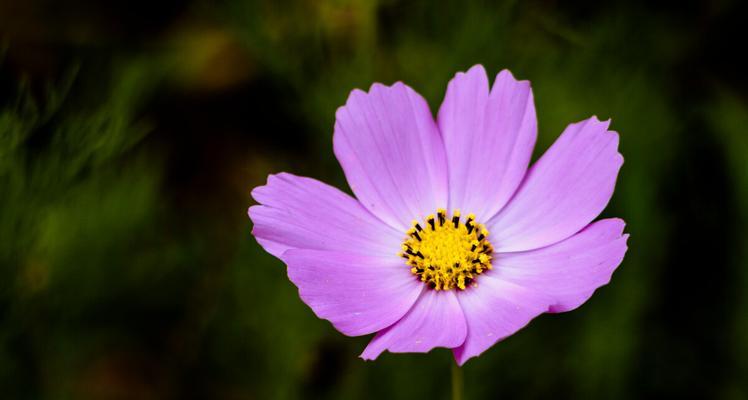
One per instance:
(456, 382)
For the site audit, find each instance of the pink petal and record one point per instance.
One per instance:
(389, 147)
(436, 320)
(563, 192)
(488, 139)
(571, 270)
(298, 212)
(358, 294)
(523, 285)
(494, 310)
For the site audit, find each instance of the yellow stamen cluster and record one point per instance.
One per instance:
(445, 253)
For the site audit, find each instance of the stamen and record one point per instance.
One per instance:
(430, 220)
(447, 256)
(469, 222)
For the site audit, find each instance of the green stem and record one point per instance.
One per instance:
(456, 382)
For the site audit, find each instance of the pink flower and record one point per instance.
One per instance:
(453, 242)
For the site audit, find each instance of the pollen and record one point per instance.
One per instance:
(445, 253)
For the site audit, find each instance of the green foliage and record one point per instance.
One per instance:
(70, 199)
(128, 268)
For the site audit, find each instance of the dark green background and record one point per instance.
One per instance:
(131, 133)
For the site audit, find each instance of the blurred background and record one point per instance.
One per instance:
(131, 133)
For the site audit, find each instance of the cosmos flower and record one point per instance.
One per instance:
(452, 241)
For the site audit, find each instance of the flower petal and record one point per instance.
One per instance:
(298, 212)
(436, 320)
(391, 152)
(494, 310)
(563, 192)
(571, 270)
(488, 139)
(358, 294)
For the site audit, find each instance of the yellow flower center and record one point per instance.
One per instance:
(445, 253)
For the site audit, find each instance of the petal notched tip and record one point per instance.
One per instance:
(475, 70)
(597, 119)
(370, 355)
(594, 128)
(259, 192)
(593, 123)
(249, 211)
(378, 86)
(360, 97)
(375, 87)
(476, 73)
(618, 223)
(507, 74)
(252, 213)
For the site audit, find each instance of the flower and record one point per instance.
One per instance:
(453, 242)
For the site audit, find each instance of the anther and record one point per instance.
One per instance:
(430, 220)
